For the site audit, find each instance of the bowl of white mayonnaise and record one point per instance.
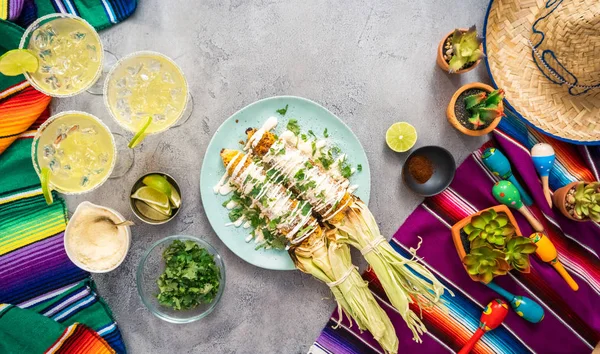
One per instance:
(92, 240)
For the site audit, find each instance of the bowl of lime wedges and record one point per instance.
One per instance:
(155, 198)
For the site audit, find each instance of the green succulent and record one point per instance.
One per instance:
(465, 49)
(517, 251)
(485, 262)
(587, 201)
(489, 227)
(483, 107)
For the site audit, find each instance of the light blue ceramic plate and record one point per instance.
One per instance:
(310, 115)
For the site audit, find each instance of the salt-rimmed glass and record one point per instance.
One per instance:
(57, 129)
(69, 51)
(147, 84)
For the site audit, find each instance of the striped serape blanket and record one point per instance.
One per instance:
(35, 272)
(572, 319)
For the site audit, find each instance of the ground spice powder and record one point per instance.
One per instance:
(420, 168)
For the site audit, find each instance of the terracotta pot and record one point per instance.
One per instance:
(441, 62)
(460, 249)
(560, 200)
(452, 116)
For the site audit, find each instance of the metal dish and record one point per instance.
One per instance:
(444, 168)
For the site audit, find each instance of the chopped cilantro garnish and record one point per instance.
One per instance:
(311, 133)
(255, 191)
(306, 209)
(359, 167)
(303, 137)
(345, 168)
(299, 175)
(191, 276)
(325, 134)
(321, 195)
(308, 165)
(281, 151)
(236, 213)
(313, 145)
(293, 126)
(283, 111)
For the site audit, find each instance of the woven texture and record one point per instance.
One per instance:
(572, 321)
(546, 56)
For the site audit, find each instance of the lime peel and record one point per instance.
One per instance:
(140, 135)
(17, 62)
(159, 183)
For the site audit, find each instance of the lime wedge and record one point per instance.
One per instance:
(17, 61)
(165, 211)
(151, 196)
(45, 180)
(401, 136)
(139, 136)
(175, 198)
(159, 183)
(149, 212)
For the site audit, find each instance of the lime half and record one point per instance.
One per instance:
(159, 183)
(139, 136)
(401, 136)
(18, 61)
(45, 180)
(152, 196)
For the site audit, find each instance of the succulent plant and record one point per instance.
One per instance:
(485, 262)
(466, 48)
(517, 252)
(489, 227)
(483, 107)
(586, 201)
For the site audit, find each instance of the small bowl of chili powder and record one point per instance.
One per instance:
(429, 170)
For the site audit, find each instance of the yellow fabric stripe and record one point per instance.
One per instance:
(4, 9)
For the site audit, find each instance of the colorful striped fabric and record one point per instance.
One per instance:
(35, 272)
(572, 320)
(10, 9)
(99, 13)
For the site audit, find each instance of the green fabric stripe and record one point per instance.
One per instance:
(91, 10)
(18, 327)
(16, 161)
(11, 36)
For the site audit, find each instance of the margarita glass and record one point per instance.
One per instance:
(77, 149)
(69, 53)
(146, 85)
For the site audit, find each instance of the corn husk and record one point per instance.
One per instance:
(330, 262)
(405, 281)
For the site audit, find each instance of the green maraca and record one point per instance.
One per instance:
(506, 193)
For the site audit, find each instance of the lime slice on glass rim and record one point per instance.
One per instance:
(140, 135)
(45, 180)
(401, 136)
(18, 61)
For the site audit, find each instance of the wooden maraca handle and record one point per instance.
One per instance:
(472, 341)
(537, 226)
(565, 275)
(546, 188)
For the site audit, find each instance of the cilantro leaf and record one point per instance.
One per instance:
(293, 126)
(283, 111)
(359, 167)
(325, 134)
(311, 133)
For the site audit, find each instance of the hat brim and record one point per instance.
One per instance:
(546, 106)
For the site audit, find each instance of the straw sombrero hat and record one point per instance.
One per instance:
(545, 54)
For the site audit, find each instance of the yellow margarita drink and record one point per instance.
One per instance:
(69, 53)
(142, 85)
(78, 149)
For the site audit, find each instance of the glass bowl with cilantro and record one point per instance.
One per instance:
(180, 279)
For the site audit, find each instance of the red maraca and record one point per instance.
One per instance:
(492, 317)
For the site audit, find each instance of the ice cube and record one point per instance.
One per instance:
(77, 36)
(54, 165)
(169, 109)
(53, 82)
(49, 151)
(45, 54)
(89, 131)
(84, 181)
(103, 158)
(60, 153)
(123, 93)
(144, 77)
(67, 167)
(98, 171)
(167, 78)
(122, 104)
(134, 70)
(46, 69)
(121, 83)
(92, 52)
(154, 65)
(175, 93)
(159, 117)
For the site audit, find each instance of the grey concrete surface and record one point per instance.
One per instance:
(372, 63)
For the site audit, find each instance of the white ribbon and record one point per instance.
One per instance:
(372, 245)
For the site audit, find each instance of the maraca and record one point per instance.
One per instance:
(524, 307)
(506, 193)
(491, 318)
(543, 158)
(547, 253)
(495, 160)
